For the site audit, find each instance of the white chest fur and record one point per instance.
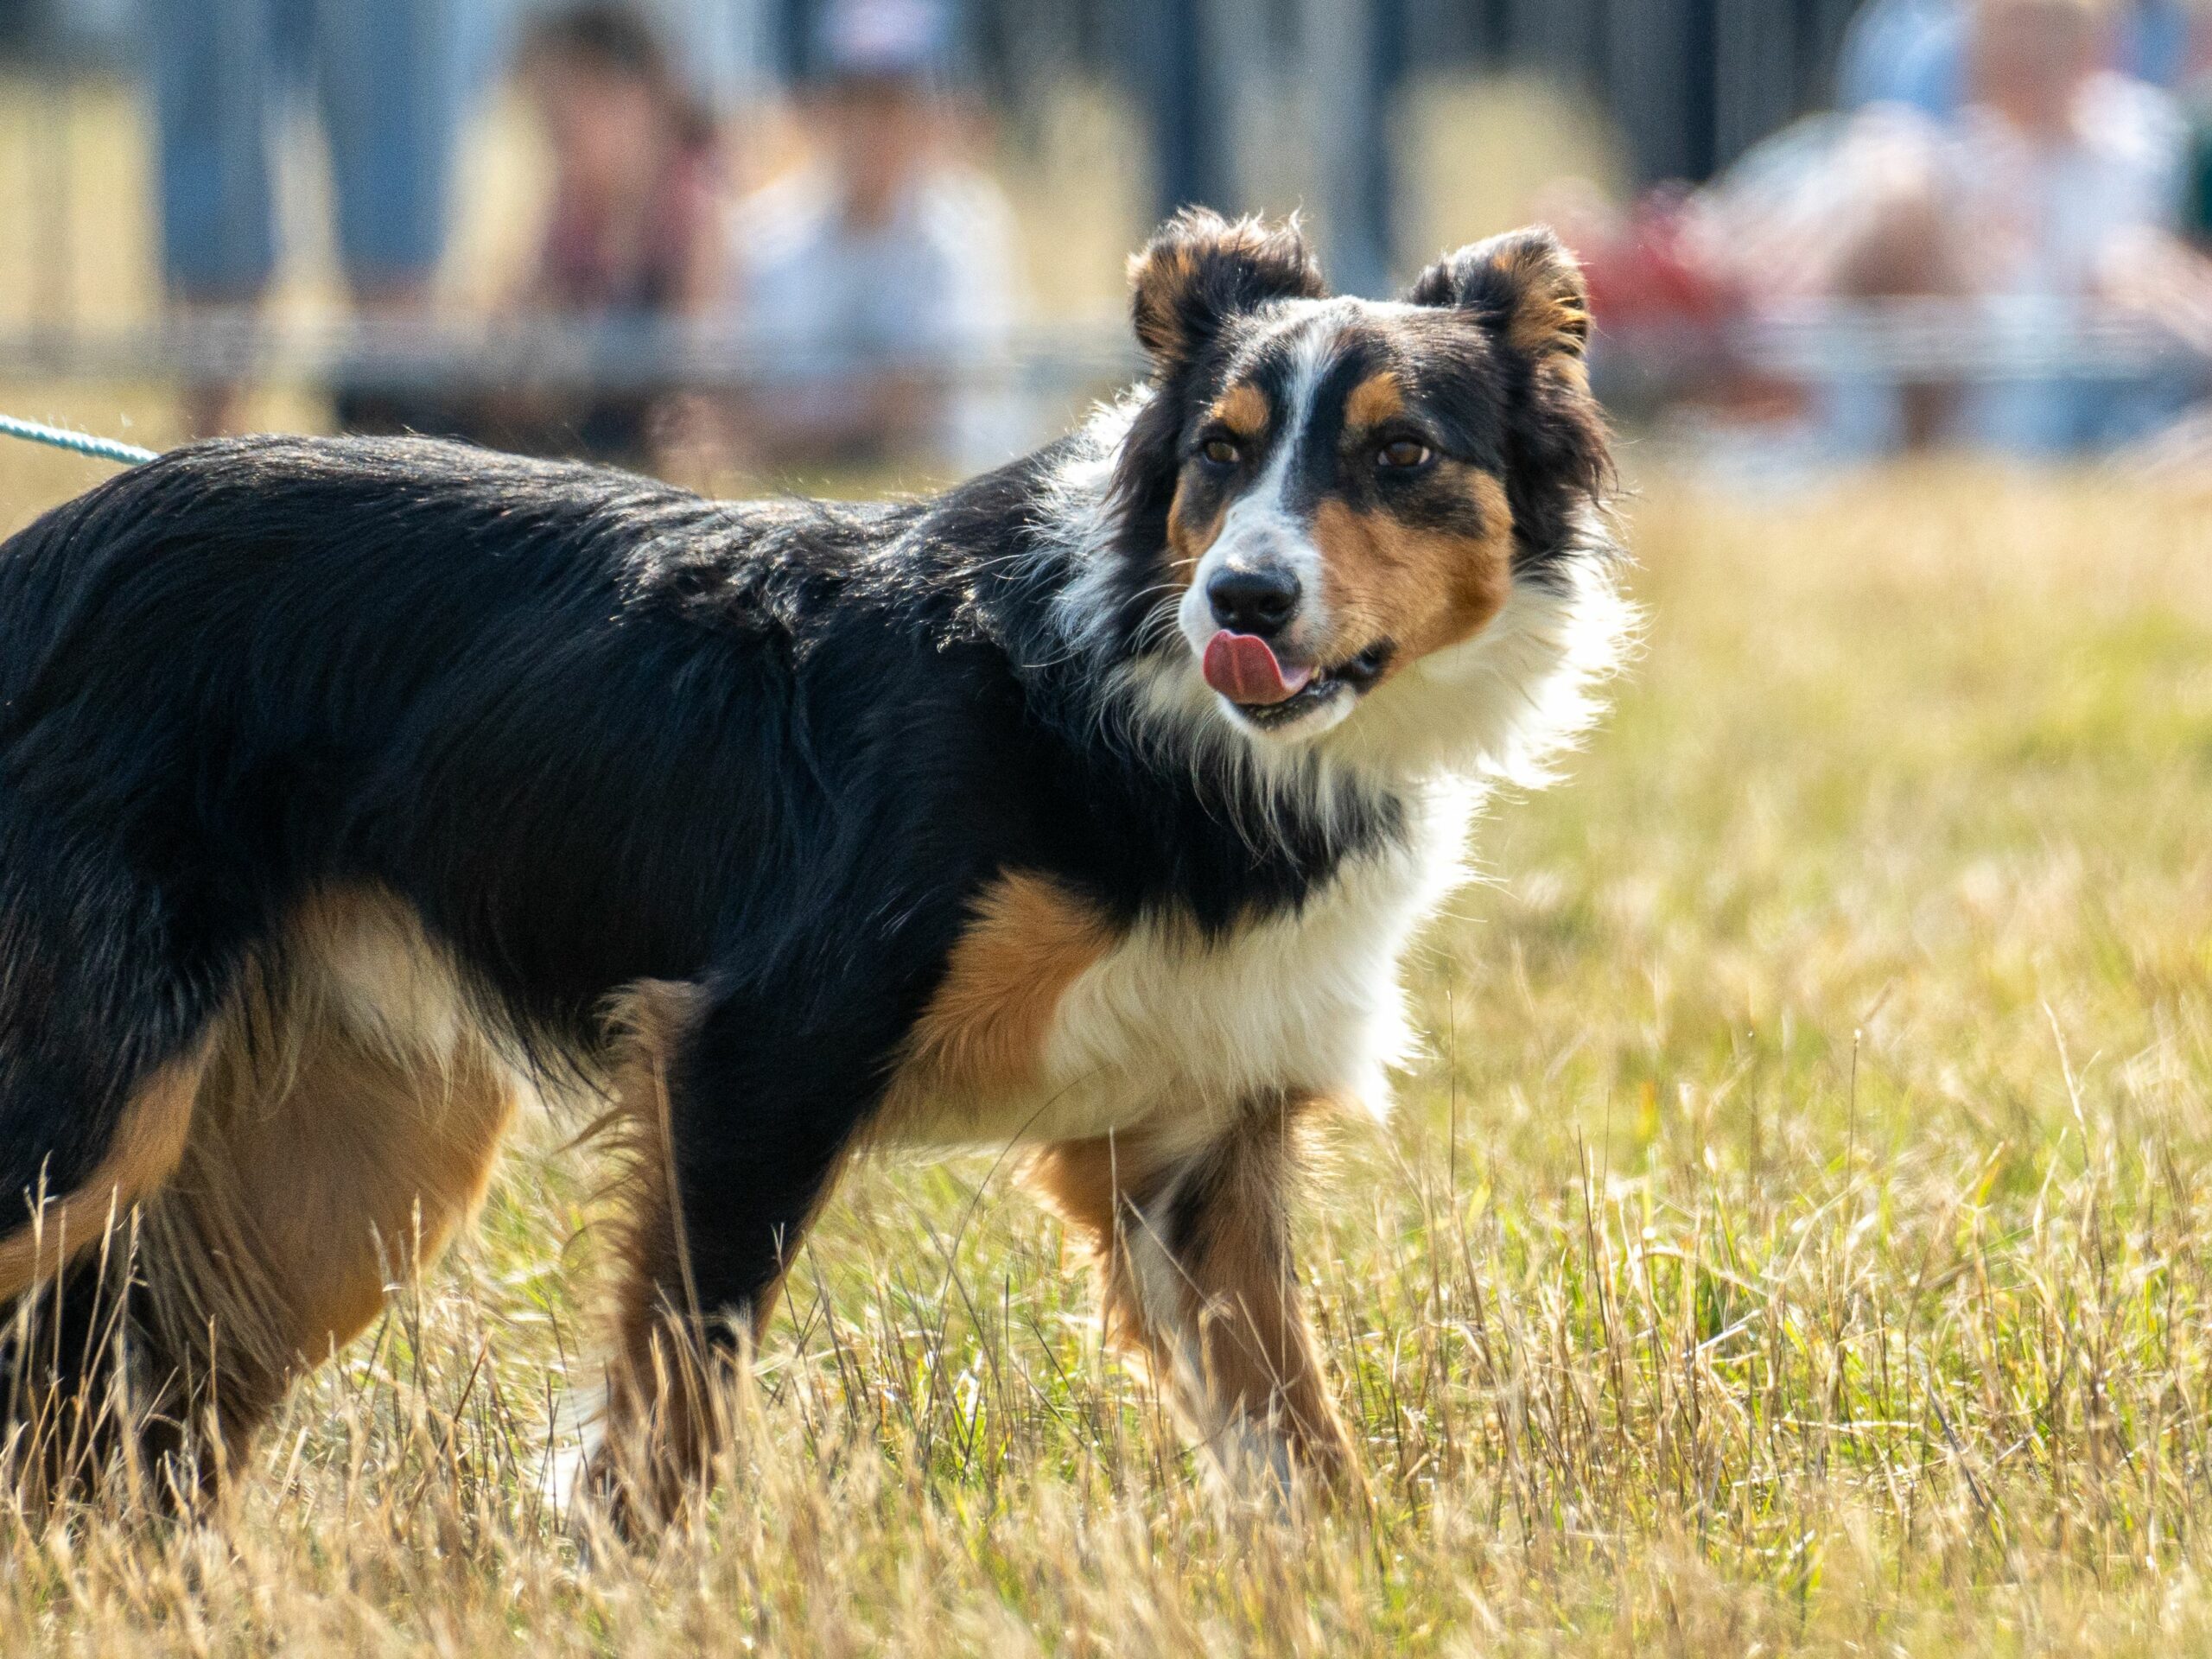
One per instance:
(1176, 1031)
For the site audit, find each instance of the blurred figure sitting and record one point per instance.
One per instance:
(867, 274)
(383, 81)
(634, 231)
(2045, 188)
(2055, 174)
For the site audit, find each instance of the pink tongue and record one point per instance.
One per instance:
(1242, 669)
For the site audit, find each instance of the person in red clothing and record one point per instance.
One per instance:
(635, 227)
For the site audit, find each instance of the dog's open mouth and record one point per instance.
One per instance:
(1243, 668)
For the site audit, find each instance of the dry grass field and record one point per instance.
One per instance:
(1797, 1239)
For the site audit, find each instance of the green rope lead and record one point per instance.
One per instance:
(130, 454)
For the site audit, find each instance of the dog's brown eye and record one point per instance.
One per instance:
(1221, 452)
(1402, 454)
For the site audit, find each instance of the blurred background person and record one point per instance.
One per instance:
(383, 81)
(2053, 175)
(2042, 189)
(877, 277)
(633, 232)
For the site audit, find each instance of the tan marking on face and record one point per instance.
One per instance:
(982, 1035)
(1374, 400)
(1422, 589)
(1242, 409)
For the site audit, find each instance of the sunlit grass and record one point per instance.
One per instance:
(1797, 1236)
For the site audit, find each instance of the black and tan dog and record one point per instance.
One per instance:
(350, 791)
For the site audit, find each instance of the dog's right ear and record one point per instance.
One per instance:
(1199, 270)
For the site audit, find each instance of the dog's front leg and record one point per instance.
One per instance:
(738, 1129)
(1192, 1246)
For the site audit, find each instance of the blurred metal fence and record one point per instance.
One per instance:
(2001, 338)
(1904, 340)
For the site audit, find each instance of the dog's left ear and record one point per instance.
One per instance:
(1200, 270)
(1524, 286)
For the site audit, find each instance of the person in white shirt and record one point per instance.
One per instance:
(878, 279)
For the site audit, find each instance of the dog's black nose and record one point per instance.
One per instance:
(1258, 599)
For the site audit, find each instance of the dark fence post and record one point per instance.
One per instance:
(1757, 86)
(1182, 88)
(1351, 73)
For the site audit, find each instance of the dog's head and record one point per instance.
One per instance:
(1331, 491)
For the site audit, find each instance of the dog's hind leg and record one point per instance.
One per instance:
(725, 1179)
(340, 1142)
(1196, 1277)
(344, 1122)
